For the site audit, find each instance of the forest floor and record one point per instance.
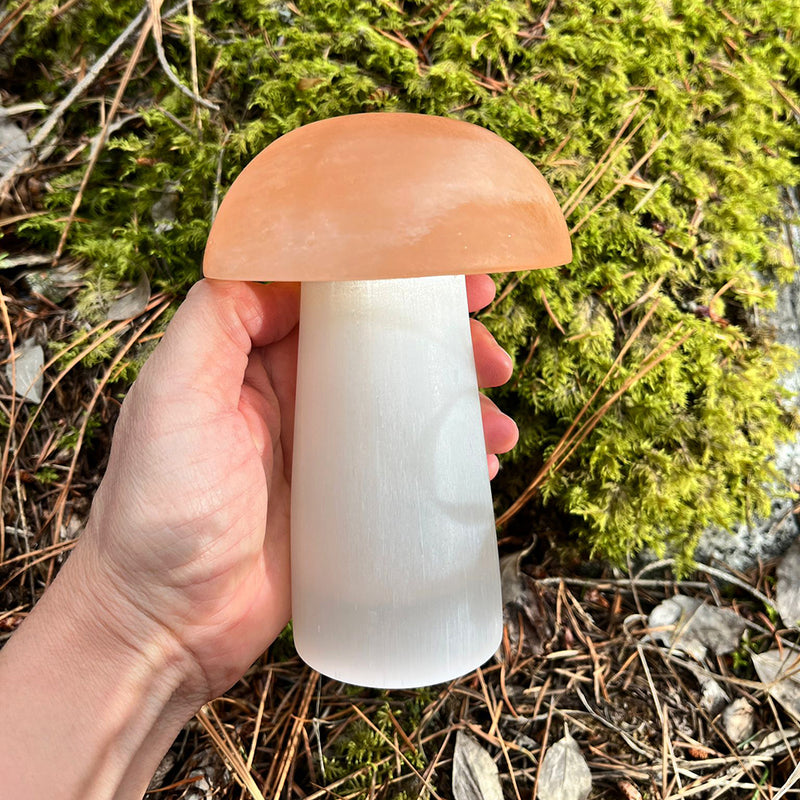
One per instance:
(608, 683)
(660, 687)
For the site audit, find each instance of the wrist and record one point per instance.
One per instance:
(121, 629)
(74, 679)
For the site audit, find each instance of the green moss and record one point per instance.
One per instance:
(369, 755)
(46, 476)
(69, 441)
(707, 96)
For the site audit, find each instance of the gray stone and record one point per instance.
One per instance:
(764, 539)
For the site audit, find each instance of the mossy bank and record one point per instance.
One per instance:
(666, 129)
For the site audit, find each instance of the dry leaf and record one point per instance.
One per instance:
(737, 721)
(774, 739)
(132, 302)
(564, 774)
(787, 590)
(474, 771)
(167, 763)
(26, 372)
(524, 608)
(513, 581)
(689, 626)
(13, 142)
(304, 84)
(779, 671)
(714, 696)
(55, 283)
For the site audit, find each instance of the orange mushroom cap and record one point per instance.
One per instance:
(386, 196)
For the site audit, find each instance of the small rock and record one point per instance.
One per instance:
(738, 721)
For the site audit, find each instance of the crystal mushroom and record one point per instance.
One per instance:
(395, 576)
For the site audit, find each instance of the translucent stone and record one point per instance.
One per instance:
(381, 196)
(395, 576)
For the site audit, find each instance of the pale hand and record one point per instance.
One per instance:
(181, 578)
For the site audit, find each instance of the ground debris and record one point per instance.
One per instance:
(642, 694)
(690, 626)
(527, 619)
(26, 372)
(780, 673)
(13, 141)
(714, 697)
(132, 301)
(474, 771)
(787, 588)
(737, 720)
(565, 774)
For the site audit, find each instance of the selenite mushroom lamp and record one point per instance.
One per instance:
(395, 575)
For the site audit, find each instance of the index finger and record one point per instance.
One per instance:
(480, 291)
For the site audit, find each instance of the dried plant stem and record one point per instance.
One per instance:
(49, 553)
(603, 163)
(288, 756)
(583, 432)
(218, 177)
(63, 9)
(590, 424)
(495, 709)
(11, 16)
(12, 417)
(723, 575)
(394, 747)
(101, 139)
(154, 301)
(259, 717)
(88, 79)
(101, 385)
(545, 740)
(193, 57)
(620, 183)
(566, 439)
(551, 314)
(51, 550)
(155, 11)
(12, 19)
(77, 90)
(227, 749)
(588, 183)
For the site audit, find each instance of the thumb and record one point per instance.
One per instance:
(205, 349)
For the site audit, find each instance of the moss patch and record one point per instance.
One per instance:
(665, 128)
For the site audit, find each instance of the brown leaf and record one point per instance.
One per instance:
(629, 790)
(525, 610)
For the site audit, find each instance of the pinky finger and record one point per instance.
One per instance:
(494, 465)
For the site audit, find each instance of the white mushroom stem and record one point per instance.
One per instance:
(395, 577)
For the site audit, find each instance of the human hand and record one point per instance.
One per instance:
(188, 538)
